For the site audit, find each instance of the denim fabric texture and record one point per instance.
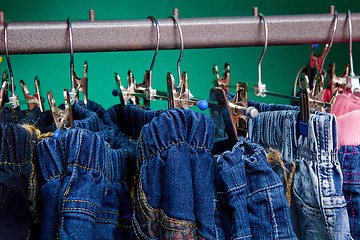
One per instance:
(349, 157)
(175, 188)
(129, 119)
(252, 204)
(18, 186)
(84, 196)
(12, 115)
(318, 207)
(42, 121)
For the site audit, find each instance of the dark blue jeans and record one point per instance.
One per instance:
(349, 157)
(175, 188)
(129, 119)
(318, 207)
(18, 186)
(12, 115)
(84, 195)
(42, 121)
(251, 201)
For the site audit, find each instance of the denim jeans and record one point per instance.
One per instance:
(18, 186)
(349, 157)
(84, 195)
(175, 188)
(318, 207)
(12, 115)
(129, 119)
(40, 120)
(251, 201)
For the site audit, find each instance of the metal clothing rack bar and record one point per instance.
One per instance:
(219, 32)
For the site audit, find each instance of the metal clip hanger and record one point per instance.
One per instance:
(4, 98)
(224, 81)
(146, 86)
(181, 96)
(13, 99)
(62, 118)
(77, 84)
(352, 81)
(33, 100)
(235, 112)
(134, 92)
(335, 82)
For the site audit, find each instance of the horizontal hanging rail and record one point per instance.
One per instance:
(219, 32)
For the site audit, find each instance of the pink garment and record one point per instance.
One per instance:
(326, 95)
(345, 103)
(349, 128)
(347, 112)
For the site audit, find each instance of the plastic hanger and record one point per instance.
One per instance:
(77, 84)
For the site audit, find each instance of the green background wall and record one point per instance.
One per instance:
(279, 68)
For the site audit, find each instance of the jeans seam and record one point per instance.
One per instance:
(273, 214)
(233, 189)
(136, 227)
(84, 209)
(247, 236)
(76, 200)
(16, 164)
(48, 179)
(262, 189)
(87, 168)
(68, 190)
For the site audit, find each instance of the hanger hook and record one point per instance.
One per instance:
(181, 44)
(350, 48)
(261, 87)
(335, 20)
(8, 58)
(72, 69)
(154, 20)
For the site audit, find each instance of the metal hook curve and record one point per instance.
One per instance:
(331, 41)
(154, 20)
(8, 58)
(181, 44)
(350, 48)
(72, 68)
(262, 87)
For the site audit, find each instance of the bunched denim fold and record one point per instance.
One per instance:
(18, 185)
(84, 195)
(252, 204)
(175, 188)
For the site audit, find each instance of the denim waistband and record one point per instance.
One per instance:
(321, 143)
(16, 145)
(279, 129)
(129, 119)
(178, 126)
(12, 115)
(83, 149)
(94, 107)
(41, 120)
